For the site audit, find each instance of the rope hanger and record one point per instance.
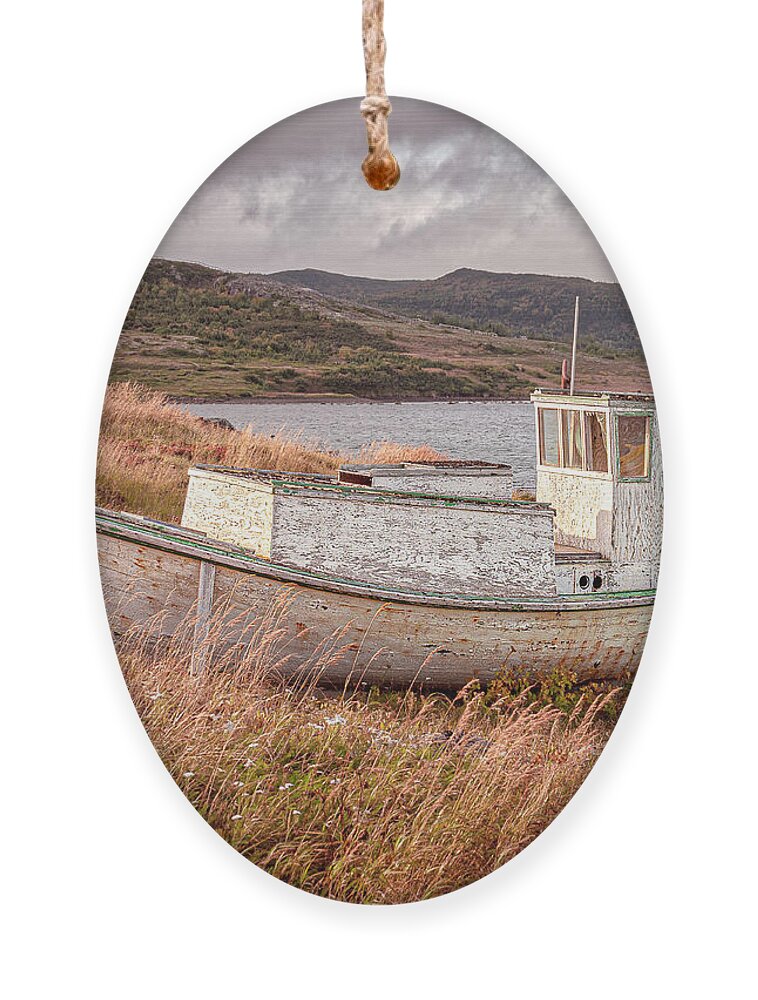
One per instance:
(380, 168)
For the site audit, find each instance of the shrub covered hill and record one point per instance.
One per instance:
(513, 305)
(196, 332)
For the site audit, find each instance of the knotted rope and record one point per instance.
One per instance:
(380, 168)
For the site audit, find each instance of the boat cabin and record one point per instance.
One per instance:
(422, 541)
(453, 527)
(599, 468)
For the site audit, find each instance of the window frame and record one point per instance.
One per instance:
(563, 423)
(604, 414)
(540, 437)
(648, 417)
(570, 426)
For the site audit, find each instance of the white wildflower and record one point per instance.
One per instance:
(285, 786)
(336, 720)
(237, 816)
(188, 774)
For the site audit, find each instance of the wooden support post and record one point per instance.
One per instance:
(203, 620)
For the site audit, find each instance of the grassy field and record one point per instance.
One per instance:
(362, 796)
(356, 795)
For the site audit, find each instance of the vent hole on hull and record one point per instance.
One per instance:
(584, 581)
(597, 581)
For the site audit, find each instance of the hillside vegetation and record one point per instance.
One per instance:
(540, 306)
(196, 332)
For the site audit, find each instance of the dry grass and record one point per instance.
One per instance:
(361, 797)
(147, 445)
(356, 796)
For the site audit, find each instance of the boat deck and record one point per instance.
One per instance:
(571, 553)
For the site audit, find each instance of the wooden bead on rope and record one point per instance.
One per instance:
(380, 168)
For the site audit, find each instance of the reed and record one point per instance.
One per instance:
(355, 795)
(147, 444)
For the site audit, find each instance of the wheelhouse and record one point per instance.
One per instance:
(598, 466)
(597, 436)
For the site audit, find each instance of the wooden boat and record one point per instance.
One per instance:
(425, 587)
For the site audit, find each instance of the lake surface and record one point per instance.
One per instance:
(492, 432)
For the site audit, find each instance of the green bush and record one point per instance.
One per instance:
(561, 689)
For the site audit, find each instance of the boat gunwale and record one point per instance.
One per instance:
(172, 538)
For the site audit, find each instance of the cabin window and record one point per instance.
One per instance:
(596, 436)
(573, 440)
(634, 446)
(549, 437)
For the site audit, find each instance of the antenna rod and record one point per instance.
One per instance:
(573, 346)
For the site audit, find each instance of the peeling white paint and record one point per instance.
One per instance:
(230, 508)
(484, 549)
(427, 543)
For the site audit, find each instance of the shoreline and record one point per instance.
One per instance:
(326, 399)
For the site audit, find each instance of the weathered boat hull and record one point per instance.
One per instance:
(158, 577)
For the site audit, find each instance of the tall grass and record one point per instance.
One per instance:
(356, 796)
(360, 796)
(147, 444)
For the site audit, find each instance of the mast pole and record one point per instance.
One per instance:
(573, 346)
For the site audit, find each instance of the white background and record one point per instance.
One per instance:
(114, 114)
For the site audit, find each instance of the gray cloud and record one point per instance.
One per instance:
(294, 197)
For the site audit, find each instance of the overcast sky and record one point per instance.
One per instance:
(294, 197)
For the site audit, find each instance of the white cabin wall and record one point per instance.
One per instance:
(231, 509)
(564, 578)
(494, 487)
(638, 524)
(632, 576)
(568, 577)
(419, 544)
(583, 508)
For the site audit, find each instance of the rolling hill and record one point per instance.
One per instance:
(197, 332)
(513, 305)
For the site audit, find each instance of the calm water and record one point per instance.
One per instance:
(493, 432)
